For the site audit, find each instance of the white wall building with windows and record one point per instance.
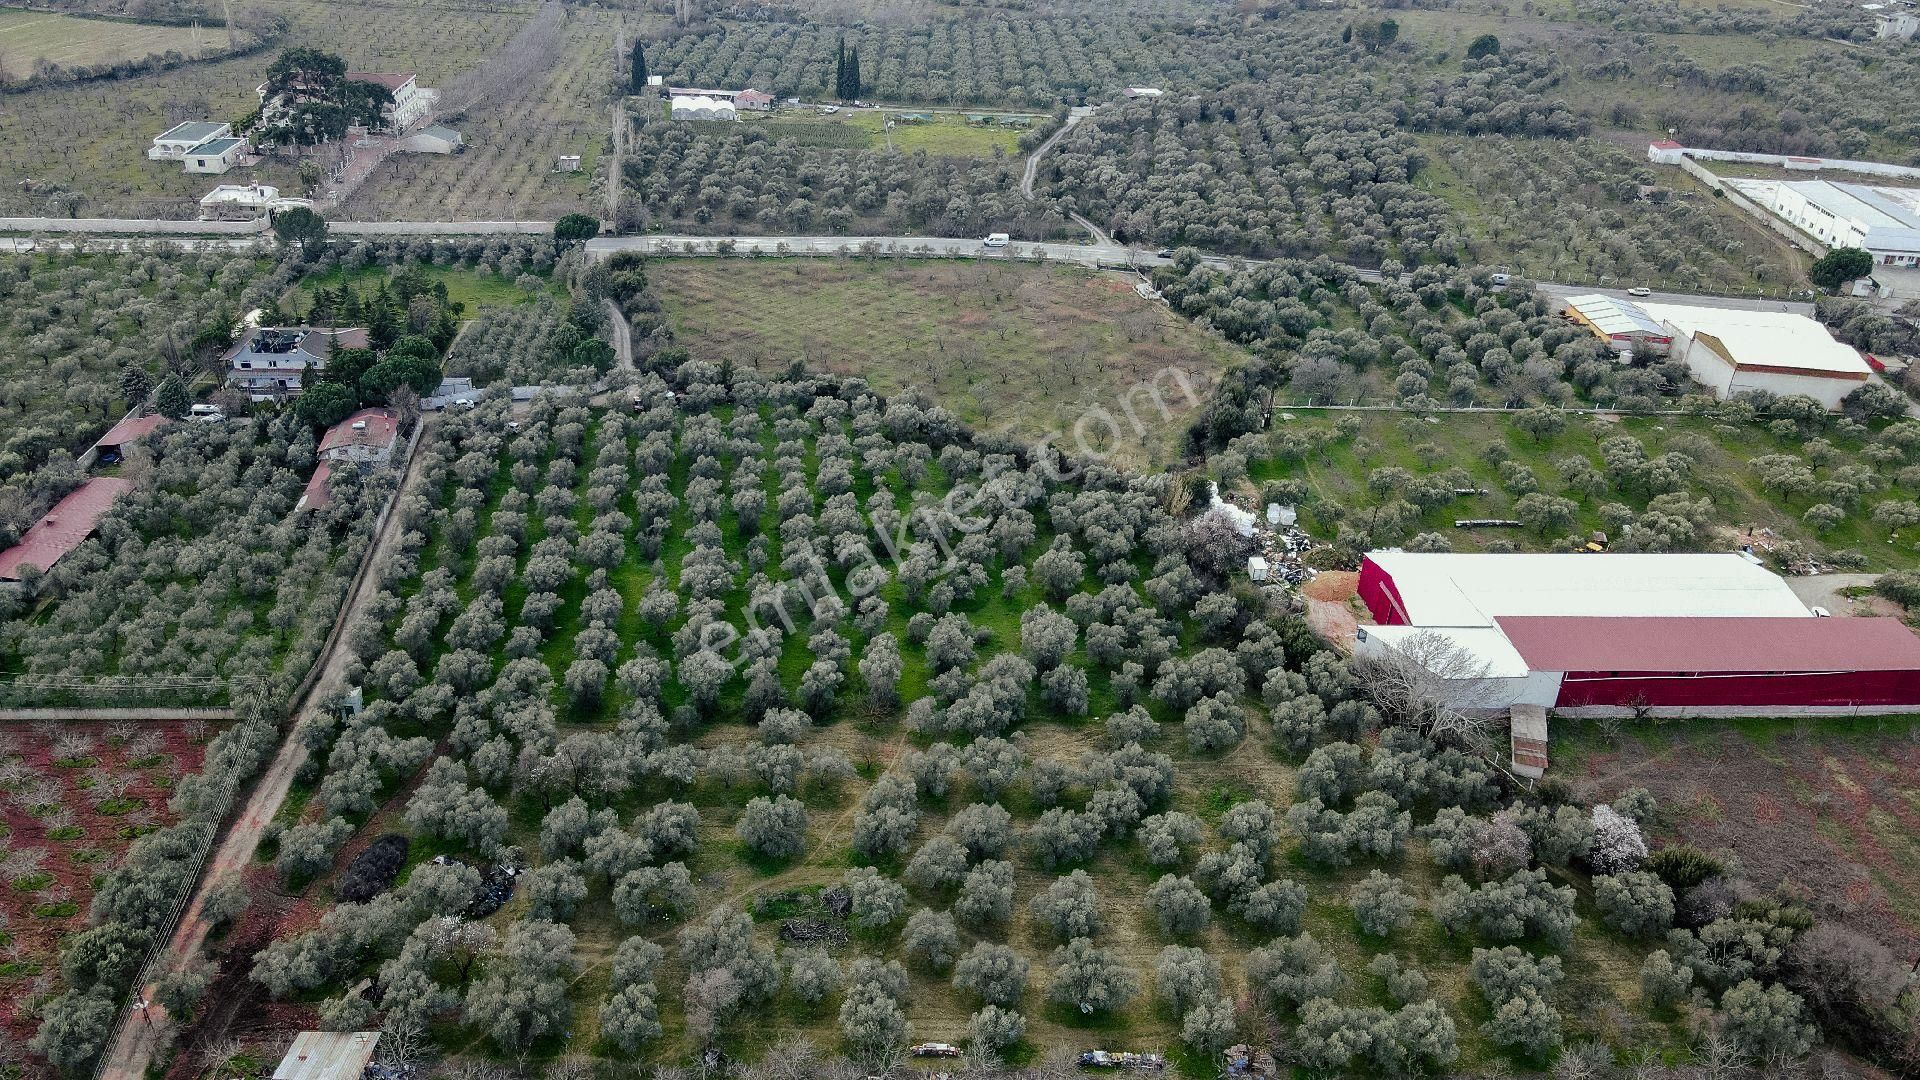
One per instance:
(1885, 221)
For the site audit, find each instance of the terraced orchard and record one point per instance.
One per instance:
(813, 725)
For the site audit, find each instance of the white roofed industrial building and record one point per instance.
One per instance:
(1733, 352)
(1883, 220)
(1473, 590)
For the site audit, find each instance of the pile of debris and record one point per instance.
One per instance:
(813, 932)
(1285, 554)
(1121, 1059)
(496, 886)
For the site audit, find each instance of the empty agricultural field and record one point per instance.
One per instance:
(506, 170)
(940, 135)
(73, 795)
(1349, 479)
(1023, 350)
(1824, 808)
(31, 39)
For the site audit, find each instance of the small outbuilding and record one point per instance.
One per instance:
(328, 1055)
(437, 139)
(238, 202)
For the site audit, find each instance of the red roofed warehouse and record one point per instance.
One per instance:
(1722, 663)
(1681, 634)
(64, 527)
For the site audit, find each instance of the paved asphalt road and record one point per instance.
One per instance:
(1113, 255)
(1731, 303)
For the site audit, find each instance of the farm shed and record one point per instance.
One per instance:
(129, 428)
(437, 139)
(328, 1055)
(1622, 325)
(64, 527)
(1734, 352)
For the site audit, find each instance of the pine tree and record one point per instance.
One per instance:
(135, 386)
(173, 400)
(638, 80)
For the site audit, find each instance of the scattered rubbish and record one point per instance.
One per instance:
(1244, 1061)
(935, 1049)
(1105, 1059)
(496, 886)
(1485, 523)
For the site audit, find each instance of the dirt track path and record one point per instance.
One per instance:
(132, 1052)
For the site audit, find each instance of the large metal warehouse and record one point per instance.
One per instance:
(1681, 635)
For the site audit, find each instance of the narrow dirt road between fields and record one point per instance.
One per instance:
(133, 1050)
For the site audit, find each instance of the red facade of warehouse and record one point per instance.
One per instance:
(1722, 662)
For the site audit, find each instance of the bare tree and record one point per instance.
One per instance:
(1431, 681)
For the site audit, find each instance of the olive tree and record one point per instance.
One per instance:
(992, 972)
(774, 828)
(1179, 906)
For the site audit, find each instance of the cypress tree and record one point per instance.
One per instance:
(638, 80)
(840, 69)
(853, 75)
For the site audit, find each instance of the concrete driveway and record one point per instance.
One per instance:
(1824, 590)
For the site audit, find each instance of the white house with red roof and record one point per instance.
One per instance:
(366, 439)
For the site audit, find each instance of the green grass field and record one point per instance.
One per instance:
(1007, 348)
(477, 291)
(30, 38)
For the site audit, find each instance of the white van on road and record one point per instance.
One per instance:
(997, 240)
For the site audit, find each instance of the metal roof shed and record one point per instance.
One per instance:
(328, 1055)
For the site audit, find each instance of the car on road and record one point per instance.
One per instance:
(1163, 253)
(1639, 290)
(997, 240)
